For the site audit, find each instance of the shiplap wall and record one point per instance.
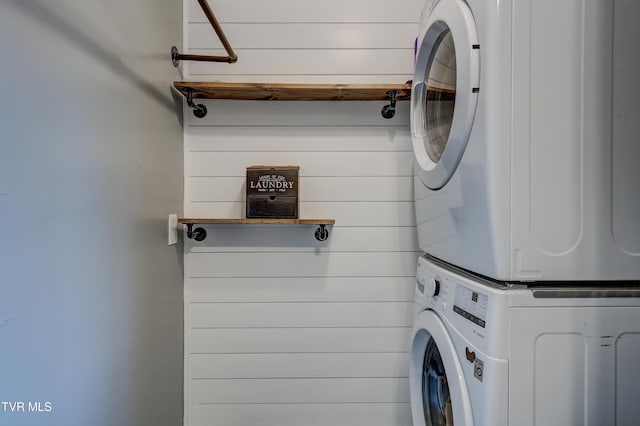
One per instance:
(282, 329)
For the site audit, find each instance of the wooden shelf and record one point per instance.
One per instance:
(199, 234)
(208, 221)
(292, 92)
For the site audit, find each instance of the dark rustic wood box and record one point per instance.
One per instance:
(272, 192)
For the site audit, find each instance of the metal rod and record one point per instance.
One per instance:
(203, 58)
(176, 56)
(218, 29)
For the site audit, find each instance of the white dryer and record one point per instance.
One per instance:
(524, 119)
(487, 355)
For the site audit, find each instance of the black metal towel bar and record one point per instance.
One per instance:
(231, 57)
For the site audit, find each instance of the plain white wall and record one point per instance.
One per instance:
(90, 166)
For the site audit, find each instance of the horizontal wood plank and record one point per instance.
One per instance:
(322, 289)
(241, 139)
(294, 264)
(299, 391)
(305, 35)
(297, 340)
(304, 12)
(241, 315)
(207, 164)
(343, 414)
(298, 113)
(303, 61)
(304, 366)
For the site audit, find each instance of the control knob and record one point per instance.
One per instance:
(433, 287)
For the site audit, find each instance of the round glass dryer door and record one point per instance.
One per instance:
(439, 395)
(445, 91)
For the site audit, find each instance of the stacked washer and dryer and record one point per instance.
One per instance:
(525, 120)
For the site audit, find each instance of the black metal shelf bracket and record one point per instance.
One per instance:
(388, 111)
(199, 110)
(198, 234)
(322, 233)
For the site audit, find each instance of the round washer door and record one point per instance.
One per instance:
(439, 395)
(445, 91)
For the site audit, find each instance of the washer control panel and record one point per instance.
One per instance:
(431, 286)
(471, 304)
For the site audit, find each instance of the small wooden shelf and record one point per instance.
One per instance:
(199, 234)
(293, 92)
(207, 221)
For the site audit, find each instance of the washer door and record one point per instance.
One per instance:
(445, 91)
(439, 395)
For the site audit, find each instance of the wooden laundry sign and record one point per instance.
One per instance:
(272, 192)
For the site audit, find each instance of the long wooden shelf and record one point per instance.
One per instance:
(292, 92)
(199, 234)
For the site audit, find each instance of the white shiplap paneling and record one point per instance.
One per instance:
(319, 35)
(288, 138)
(346, 213)
(315, 414)
(282, 329)
(312, 164)
(327, 11)
(304, 78)
(300, 390)
(297, 114)
(297, 340)
(299, 264)
(303, 366)
(328, 189)
(273, 315)
(269, 238)
(292, 289)
(309, 62)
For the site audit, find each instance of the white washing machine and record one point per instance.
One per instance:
(525, 123)
(487, 355)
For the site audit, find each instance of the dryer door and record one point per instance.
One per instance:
(439, 395)
(445, 91)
